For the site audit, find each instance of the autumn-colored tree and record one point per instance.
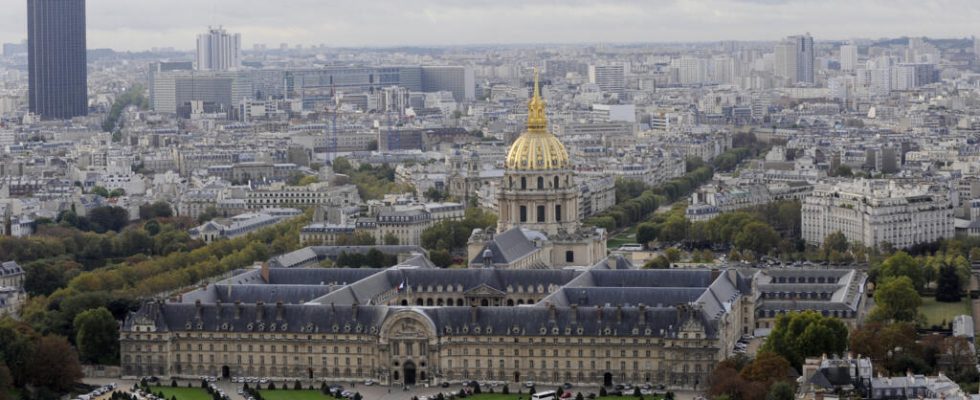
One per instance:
(874, 340)
(54, 365)
(768, 367)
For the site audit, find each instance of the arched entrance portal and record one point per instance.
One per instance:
(409, 372)
(225, 372)
(607, 379)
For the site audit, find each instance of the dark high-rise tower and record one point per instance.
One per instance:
(56, 58)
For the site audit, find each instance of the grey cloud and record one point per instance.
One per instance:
(140, 24)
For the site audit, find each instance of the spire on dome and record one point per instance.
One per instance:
(537, 121)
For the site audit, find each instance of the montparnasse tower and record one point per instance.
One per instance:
(538, 191)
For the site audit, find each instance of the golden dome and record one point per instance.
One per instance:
(537, 149)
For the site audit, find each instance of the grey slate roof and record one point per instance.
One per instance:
(507, 247)
(10, 268)
(448, 321)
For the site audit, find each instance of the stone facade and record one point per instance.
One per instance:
(414, 326)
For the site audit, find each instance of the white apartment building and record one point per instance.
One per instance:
(875, 212)
(218, 50)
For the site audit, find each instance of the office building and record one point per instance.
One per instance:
(848, 57)
(218, 50)
(217, 90)
(455, 79)
(159, 67)
(610, 78)
(795, 59)
(57, 77)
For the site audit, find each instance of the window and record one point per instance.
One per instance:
(556, 182)
(523, 183)
(558, 212)
(523, 212)
(569, 256)
(540, 182)
(540, 213)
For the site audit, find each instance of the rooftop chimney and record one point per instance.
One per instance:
(574, 313)
(238, 309)
(259, 311)
(264, 272)
(474, 310)
(279, 311)
(643, 314)
(552, 313)
(353, 310)
(217, 306)
(200, 308)
(598, 312)
(619, 313)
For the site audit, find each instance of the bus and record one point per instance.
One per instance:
(545, 395)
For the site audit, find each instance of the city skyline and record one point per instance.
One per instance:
(123, 25)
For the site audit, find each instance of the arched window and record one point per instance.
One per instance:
(523, 212)
(558, 212)
(523, 183)
(540, 182)
(556, 181)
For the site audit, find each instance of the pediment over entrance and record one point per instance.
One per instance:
(408, 324)
(484, 291)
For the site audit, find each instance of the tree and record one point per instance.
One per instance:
(896, 300)
(658, 262)
(758, 237)
(159, 209)
(118, 192)
(44, 277)
(390, 239)
(6, 382)
(54, 365)
(108, 218)
(99, 190)
(781, 391)
(948, 287)
(767, 367)
(673, 254)
(97, 336)
(434, 194)
(341, 165)
(798, 335)
(208, 214)
(307, 180)
(835, 242)
(902, 264)
(441, 258)
(876, 339)
(646, 233)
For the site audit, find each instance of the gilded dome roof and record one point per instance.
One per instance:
(537, 149)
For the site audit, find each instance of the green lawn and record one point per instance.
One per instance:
(498, 396)
(627, 236)
(293, 395)
(525, 396)
(182, 393)
(937, 313)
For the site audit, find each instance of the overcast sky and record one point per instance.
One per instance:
(142, 24)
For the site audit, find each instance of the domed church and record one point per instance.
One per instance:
(538, 223)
